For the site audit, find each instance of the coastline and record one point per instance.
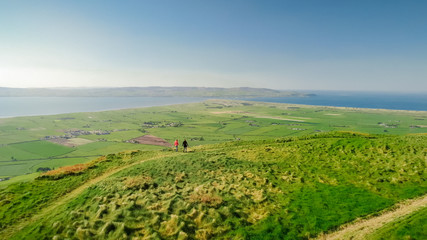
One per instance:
(195, 100)
(68, 105)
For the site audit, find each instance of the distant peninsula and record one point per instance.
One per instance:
(241, 92)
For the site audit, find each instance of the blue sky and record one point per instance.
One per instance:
(307, 45)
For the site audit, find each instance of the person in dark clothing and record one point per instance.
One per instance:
(185, 145)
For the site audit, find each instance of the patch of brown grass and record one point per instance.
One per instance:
(71, 170)
(171, 227)
(137, 182)
(67, 170)
(206, 199)
(180, 177)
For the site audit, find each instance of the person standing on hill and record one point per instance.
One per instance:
(176, 144)
(185, 145)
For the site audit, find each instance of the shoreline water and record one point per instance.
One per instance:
(364, 100)
(42, 106)
(11, 107)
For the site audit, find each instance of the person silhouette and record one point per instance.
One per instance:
(185, 145)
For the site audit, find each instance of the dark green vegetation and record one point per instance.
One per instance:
(283, 188)
(148, 92)
(31, 143)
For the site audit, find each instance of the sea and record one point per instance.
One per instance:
(375, 100)
(32, 106)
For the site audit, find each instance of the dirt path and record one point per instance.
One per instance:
(9, 232)
(361, 228)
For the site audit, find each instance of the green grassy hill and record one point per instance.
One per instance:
(277, 188)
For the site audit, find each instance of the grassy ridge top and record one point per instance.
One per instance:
(287, 188)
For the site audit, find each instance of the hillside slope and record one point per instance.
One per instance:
(291, 188)
(393, 223)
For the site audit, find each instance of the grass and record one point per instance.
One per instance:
(18, 179)
(42, 148)
(19, 159)
(19, 201)
(16, 169)
(55, 163)
(32, 150)
(410, 227)
(287, 188)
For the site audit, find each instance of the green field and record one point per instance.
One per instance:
(23, 145)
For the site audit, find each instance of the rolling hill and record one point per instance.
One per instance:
(282, 188)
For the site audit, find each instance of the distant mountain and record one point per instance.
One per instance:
(244, 92)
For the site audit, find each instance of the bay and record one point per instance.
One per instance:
(33, 106)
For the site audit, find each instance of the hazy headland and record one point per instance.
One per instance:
(149, 92)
